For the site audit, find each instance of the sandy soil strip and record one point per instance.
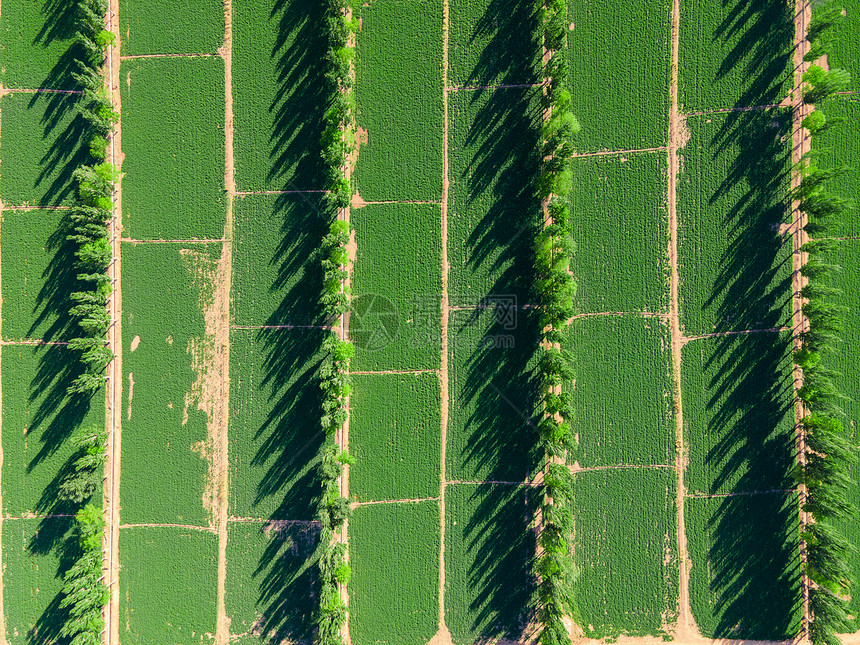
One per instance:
(396, 372)
(603, 153)
(113, 390)
(415, 500)
(221, 310)
(743, 332)
(443, 635)
(197, 240)
(685, 628)
(193, 527)
(168, 56)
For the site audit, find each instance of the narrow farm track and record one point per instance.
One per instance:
(743, 332)
(3, 640)
(604, 153)
(113, 400)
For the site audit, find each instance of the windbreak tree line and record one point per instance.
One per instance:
(337, 144)
(555, 288)
(826, 453)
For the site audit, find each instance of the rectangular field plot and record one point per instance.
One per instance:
(37, 45)
(38, 275)
(840, 146)
(626, 552)
(38, 418)
(394, 432)
(843, 40)
(279, 93)
(738, 413)
(42, 135)
(398, 89)
(271, 581)
(489, 551)
(173, 140)
(169, 582)
(277, 276)
(745, 575)
(493, 210)
(395, 319)
(394, 590)
(194, 27)
(492, 433)
(621, 232)
(623, 391)
(492, 43)
(275, 432)
(732, 56)
(33, 579)
(628, 43)
(165, 348)
(735, 267)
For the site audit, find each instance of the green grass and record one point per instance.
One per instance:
(399, 92)
(169, 579)
(32, 580)
(619, 71)
(164, 430)
(271, 581)
(626, 552)
(195, 27)
(734, 55)
(745, 575)
(619, 204)
(38, 275)
(492, 43)
(489, 549)
(36, 46)
(40, 147)
(394, 435)
(623, 391)
(277, 276)
(275, 433)
(735, 267)
(491, 431)
(38, 418)
(738, 413)
(173, 141)
(396, 284)
(840, 147)
(394, 590)
(278, 87)
(493, 212)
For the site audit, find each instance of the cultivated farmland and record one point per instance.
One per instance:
(351, 396)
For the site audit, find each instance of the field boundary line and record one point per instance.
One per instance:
(35, 90)
(36, 342)
(502, 86)
(35, 516)
(262, 520)
(750, 108)
(414, 500)
(258, 327)
(154, 525)
(113, 387)
(28, 207)
(3, 640)
(740, 332)
(492, 482)
(742, 493)
(134, 56)
(641, 314)
(246, 193)
(606, 153)
(575, 468)
(387, 372)
(363, 203)
(203, 240)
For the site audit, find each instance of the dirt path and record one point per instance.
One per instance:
(685, 628)
(800, 145)
(168, 56)
(443, 635)
(742, 332)
(220, 371)
(3, 640)
(113, 393)
(603, 153)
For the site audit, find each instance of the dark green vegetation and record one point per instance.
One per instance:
(611, 564)
(396, 445)
(181, 99)
(629, 43)
(398, 54)
(394, 551)
(194, 27)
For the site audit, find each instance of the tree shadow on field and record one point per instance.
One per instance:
(754, 553)
(510, 55)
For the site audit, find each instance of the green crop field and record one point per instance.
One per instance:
(395, 562)
(398, 55)
(611, 564)
(622, 391)
(840, 147)
(181, 102)
(169, 581)
(397, 446)
(195, 27)
(620, 204)
(628, 43)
